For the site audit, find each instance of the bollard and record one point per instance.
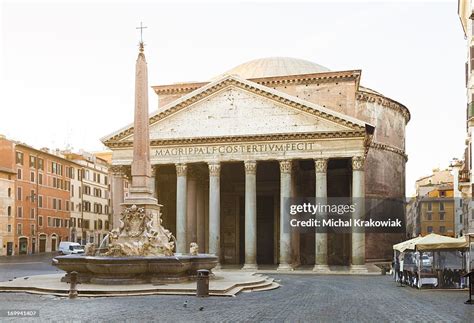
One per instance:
(73, 285)
(384, 270)
(202, 289)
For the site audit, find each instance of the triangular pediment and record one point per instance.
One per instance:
(235, 107)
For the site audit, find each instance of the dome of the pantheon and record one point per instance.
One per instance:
(275, 66)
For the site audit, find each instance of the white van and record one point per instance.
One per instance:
(67, 248)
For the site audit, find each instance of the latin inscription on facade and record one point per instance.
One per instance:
(233, 149)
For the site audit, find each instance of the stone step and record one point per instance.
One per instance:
(265, 285)
(51, 285)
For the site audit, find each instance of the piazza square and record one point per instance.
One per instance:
(307, 174)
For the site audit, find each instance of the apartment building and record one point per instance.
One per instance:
(437, 211)
(51, 196)
(465, 169)
(91, 194)
(41, 197)
(7, 201)
(436, 206)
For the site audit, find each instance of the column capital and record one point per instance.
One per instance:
(358, 162)
(321, 165)
(181, 169)
(285, 166)
(214, 169)
(250, 167)
(117, 170)
(154, 170)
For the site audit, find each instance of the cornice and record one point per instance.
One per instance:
(384, 101)
(241, 139)
(380, 146)
(327, 77)
(183, 88)
(180, 88)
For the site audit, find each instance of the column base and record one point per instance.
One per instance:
(250, 267)
(285, 267)
(323, 269)
(359, 269)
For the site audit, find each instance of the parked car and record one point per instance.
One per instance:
(67, 248)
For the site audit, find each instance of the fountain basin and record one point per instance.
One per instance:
(134, 270)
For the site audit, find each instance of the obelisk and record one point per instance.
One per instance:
(139, 192)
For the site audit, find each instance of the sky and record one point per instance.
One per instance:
(67, 67)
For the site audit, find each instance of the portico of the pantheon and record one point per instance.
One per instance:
(226, 154)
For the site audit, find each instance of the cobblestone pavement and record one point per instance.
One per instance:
(301, 298)
(25, 265)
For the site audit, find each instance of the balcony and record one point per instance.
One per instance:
(464, 176)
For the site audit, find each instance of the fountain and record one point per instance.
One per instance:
(141, 249)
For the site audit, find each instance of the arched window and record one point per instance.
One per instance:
(9, 210)
(9, 192)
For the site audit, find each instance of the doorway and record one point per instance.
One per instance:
(23, 249)
(339, 188)
(53, 244)
(265, 230)
(42, 243)
(9, 248)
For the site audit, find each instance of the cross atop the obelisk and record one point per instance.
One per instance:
(141, 31)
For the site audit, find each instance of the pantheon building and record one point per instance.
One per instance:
(228, 152)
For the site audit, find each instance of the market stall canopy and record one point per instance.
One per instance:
(409, 244)
(437, 242)
(432, 242)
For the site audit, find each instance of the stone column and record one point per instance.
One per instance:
(321, 248)
(358, 199)
(201, 216)
(214, 209)
(153, 185)
(117, 185)
(285, 234)
(191, 220)
(181, 208)
(250, 215)
(295, 231)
